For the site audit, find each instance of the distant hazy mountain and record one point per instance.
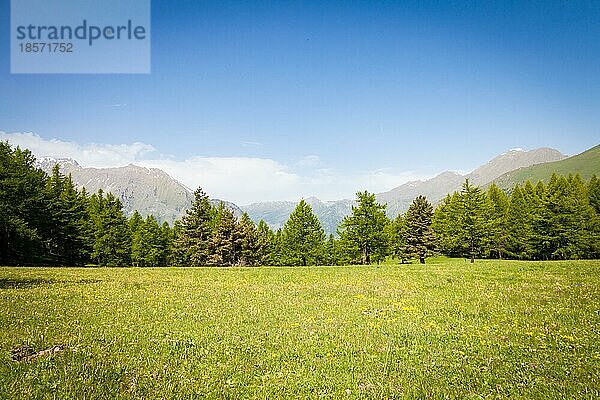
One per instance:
(148, 190)
(436, 188)
(275, 213)
(398, 199)
(585, 164)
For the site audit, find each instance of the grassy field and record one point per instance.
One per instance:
(444, 330)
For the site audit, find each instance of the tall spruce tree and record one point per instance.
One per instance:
(473, 218)
(447, 225)
(250, 251)
(148, 246)
(497, 231)
(225, 244)
(363, 232)
(303, 236)
(197, 225)
(111, 238)
(23, 207)
(265, 239)
(418, 231)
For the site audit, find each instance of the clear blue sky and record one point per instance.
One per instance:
(421, 86)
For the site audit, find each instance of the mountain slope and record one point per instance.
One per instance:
(585, 164)
(148, 190)
(398, 199)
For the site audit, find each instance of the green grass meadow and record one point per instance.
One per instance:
(495, 329)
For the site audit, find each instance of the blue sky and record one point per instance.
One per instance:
(278, 100)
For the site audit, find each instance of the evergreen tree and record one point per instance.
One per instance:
(166, 236)
(177, 253)
(447, 225)
(135, 222)
(196, 229)
(519, 225)
(330, 252)
(277, 254)
(23, 207)
(250, 252)
(363, 232)
(396, 233)
(303, 236)
(111, 239)
(224, 245)
(473, 218)
(148, 246)
(497, 231)
(565, 229)
(265, 239)
(594, 193)
(419, 234)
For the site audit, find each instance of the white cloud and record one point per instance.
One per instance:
(242, 180)
(89, 155)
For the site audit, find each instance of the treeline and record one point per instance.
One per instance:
(46, 220)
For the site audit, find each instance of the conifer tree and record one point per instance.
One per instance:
(265, 239)
(447, 225)
(196, 229)
(224, 245)
(23, 207)
(594, 193)
(363, 232)
(330, 252)
(250, 254)
(111, 238)
(418, 231)
(148, 246)
(497, 208)
(473, 219)
(303, 236)
(396, 233)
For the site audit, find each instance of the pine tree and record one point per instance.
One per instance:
(473, 220)
(23, 207)
(594, 193)
(250, 254)
(196, 230)
(177, 254)
(277, 255)
(265, 239)
(148, 246)
(303, 236)
(111, 238)
(419, 234)
(447, 225)
(330, 252)
(224, 245)
(396, 233)
(497, 231)
(519, 226)
(363, 232)
(166, 238)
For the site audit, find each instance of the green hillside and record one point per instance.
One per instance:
(585, 164)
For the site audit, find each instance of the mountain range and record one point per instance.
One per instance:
(148, 190)
(331, 213)
(152, 191)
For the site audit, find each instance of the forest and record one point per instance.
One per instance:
(46, 220)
